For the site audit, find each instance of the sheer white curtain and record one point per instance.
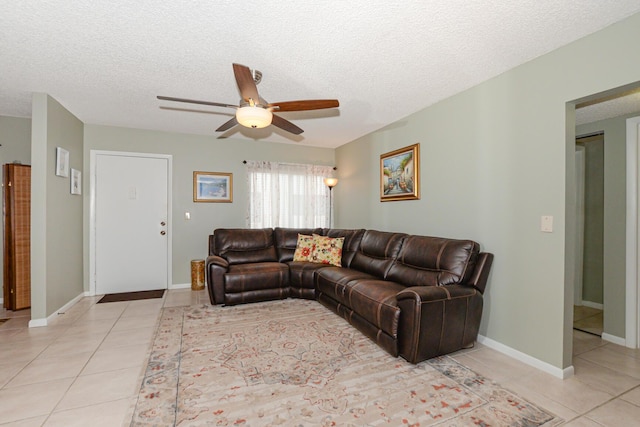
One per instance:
(287, 195)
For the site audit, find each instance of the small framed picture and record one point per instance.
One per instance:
(62, 162)
(400, 174)
(76, 181)
(212, 187)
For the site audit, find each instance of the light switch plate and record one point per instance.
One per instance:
(546, 224)
(187, 215)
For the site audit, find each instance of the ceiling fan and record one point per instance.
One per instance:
(254, 111)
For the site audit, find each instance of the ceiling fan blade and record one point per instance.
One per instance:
(195, 101)
(286, 125)
(311, 104)
(228, 125)
(247, 86)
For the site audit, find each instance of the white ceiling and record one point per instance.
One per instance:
(106, 61)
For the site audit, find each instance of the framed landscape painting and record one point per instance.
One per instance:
(212, 187)
(400, 174)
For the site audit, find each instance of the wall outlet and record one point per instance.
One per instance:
(546, 224)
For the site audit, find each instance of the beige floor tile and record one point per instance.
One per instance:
(632, 396)
(31, 400)
(616, 413)
(101, 388)
(571, 393)
(18, 352)
(29, 422)
(71, 345)
(128, 337)
(10, 370)
(134, 322)
(605, 379)
(113, 359)
(143, 308)
(48, 369)
(541, 400)
(107, 414)
(605, 356)
(582, 422)
(491, 364)
(583, 342)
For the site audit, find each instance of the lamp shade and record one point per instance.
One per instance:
(254, 117)
(331, 182)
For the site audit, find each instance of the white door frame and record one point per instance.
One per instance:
(632, 303)
(580, 181)
(92, 210)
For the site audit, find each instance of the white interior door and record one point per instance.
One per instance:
(131, 211)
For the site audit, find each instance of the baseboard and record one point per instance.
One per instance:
(36, 323)
(614, 339)
(525, 358)
(595, 305)
(180, 286)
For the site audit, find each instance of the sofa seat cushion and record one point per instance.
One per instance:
(301, 273)
(333, 281)
(256, 276)
(375, 300)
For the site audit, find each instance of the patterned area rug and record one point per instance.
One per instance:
(295, 363)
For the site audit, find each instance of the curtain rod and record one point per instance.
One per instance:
(335, 168)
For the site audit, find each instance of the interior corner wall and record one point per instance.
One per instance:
(615, 207)
(197, 153)
(56, 214)
(15, 146)
(494, 159)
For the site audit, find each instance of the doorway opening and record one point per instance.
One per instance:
(588, 310)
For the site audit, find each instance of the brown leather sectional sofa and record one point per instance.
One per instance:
(415, 296)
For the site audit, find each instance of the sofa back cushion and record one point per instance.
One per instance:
(286, 239)
(378, 250)
(434, 261)
(352, 239)
(239, 245)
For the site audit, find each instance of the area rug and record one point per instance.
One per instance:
(132, 296)
(295, 363)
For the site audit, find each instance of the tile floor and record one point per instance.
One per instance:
(86, 367)
(588, 319)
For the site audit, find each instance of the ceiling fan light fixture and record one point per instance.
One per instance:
(254, 117)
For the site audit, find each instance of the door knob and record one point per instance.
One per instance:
(163, 232)
(163, 223)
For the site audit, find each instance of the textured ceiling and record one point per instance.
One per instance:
(106, 61)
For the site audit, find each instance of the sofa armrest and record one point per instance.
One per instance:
(436, 320)
(480, 273)
(216, 268)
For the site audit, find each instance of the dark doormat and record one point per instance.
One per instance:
(132, 296)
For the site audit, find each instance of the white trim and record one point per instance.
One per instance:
(613, 339)
(36, 323)
(591, 304)
(180, 286)
(525, 358)
(631, 271)
(92, 210)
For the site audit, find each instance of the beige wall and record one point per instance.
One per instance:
(494, 159)
(196, 153)
(15, 146)
(56, 215)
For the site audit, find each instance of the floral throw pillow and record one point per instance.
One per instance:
(304, 248)
(327, 250)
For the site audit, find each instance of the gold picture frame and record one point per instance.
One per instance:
(212, 187)
(400, 174)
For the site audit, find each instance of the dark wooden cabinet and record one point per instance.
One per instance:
(16, 179)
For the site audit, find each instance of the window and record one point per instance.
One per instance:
(287, 195)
